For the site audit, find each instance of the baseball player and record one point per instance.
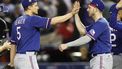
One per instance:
(116, 35)
(25, 35)
(98, 34)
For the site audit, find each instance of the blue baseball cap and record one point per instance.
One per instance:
(26, 3)
(99, 4)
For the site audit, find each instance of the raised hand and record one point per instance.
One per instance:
(76, 7)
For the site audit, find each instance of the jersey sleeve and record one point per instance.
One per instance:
(96, 30)
(113, 18)
(13, 38)
(40, 22)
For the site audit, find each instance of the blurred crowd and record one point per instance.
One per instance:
(61, 33)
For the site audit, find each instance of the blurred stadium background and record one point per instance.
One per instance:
(49, 57)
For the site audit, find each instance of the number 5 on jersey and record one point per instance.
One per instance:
(18, 33)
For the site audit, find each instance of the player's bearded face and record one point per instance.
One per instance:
(90, 10)
(35, 8)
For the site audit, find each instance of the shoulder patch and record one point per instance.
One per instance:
(92, 32)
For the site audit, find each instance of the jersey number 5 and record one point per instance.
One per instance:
(18, 33)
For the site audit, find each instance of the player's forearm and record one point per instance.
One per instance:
(12, 54)
(82, 40)
(60, 19)
(79, 25)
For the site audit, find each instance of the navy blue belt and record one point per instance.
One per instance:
(93, 55)
(26, 52)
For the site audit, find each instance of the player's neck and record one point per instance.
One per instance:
(28, 13)
(97, 16)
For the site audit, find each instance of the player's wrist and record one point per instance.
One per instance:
(67, 45)
(72, 13)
